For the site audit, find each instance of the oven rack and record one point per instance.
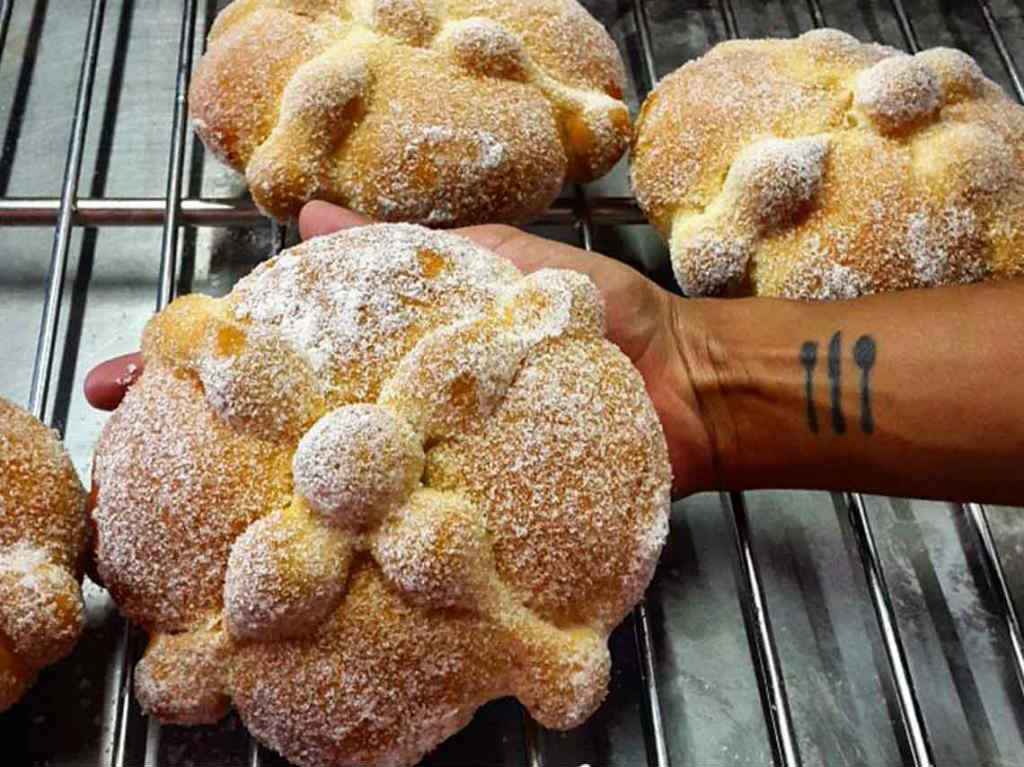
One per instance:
(174, 211)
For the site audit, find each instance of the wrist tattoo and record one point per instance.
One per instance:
(834, 371)
(865, 352)
(809, 359)
(864, 357)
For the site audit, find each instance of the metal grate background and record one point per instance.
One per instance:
(869, 629)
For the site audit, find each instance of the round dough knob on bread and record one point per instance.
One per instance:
(428, 543)
(822, 167)
(447, 114)
(43, 539)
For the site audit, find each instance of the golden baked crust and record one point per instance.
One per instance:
(446, 114)
(42, 547)
(385, 480)
(821, 167)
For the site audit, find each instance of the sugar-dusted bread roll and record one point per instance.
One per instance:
(43, 541)
(822, 167)
(385, 480)
(442, 113)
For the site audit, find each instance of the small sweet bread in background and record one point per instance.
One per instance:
(454, 113)
(383, 481)
(43, 540)
(822, 167)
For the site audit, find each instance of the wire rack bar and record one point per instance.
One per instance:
(219, 212)
(176, 160)
(254, 758)
(906, 28)
(728, 15)
(643, 30)
(62, 235)
(123, 701)
(763, 651)
(910, 710)
(654, 728)
(770, 681)
(5, 21)
(817, 16)
(152, 755)
(1004, 53)
(531, 741)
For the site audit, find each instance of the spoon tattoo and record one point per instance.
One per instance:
(864, 352)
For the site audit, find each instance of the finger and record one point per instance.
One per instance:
(530, 253)
(319, 217)
(106, 383)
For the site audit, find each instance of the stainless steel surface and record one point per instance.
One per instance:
(683, 659)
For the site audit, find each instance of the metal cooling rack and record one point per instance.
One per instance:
(869, 629)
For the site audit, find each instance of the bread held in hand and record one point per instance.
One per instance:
(383, 481)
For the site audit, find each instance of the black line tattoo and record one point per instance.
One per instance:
(864, 352)
(834, 364)
(809, 359)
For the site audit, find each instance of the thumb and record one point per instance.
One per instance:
(318, 217)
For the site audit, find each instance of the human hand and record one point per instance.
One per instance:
(643, 320)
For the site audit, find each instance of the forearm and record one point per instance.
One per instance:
(918, 393)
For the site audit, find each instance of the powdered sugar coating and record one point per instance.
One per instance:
(43, 539)
(897, 93)
(709, 262)
(523, 95)
(549, 514)
(369, 604)
(355, 463)
(180, 679)
(42, 613)
(487, 48)
(959, 75)
(553, 302)
(352, 317)
(168, 508)
(435, 550)
(868, 165)
(774, 179)
(285, 575)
